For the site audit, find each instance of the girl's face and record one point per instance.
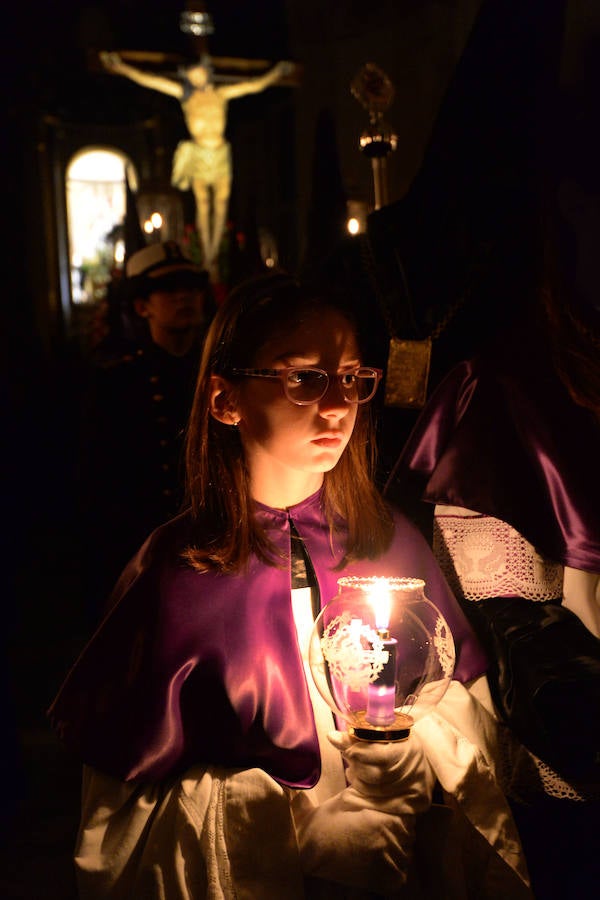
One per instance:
(289, 447)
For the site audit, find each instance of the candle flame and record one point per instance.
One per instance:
(379, 595)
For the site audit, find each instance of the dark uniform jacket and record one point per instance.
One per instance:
(131, 475)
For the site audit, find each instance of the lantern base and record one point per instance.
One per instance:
(398, 730)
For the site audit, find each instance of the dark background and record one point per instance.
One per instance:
(295, 154)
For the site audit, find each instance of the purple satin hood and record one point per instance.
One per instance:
(501, 436)
(191, 667)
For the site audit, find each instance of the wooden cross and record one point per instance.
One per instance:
(225, 69)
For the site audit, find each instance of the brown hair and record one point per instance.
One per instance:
(225, 532)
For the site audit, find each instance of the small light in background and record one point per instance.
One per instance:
(119, 252)
(148, 226)
(356, 216)
(268, 247)
(161, 205)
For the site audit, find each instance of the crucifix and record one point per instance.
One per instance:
(203, 162)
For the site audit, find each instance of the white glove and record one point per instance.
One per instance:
(377, 770)
(459, 738)
(364, 836)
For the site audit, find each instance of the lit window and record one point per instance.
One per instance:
(96, 206)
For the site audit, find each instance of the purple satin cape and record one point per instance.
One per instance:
(192, 667)
(501, 436)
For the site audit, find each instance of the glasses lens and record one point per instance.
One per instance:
(305, 385)
(358, 386)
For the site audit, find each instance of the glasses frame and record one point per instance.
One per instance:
(283, 374)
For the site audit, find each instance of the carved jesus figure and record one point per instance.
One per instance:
(204, 162)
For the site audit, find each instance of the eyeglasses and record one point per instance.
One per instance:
(304, 386)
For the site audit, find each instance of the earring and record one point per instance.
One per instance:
(235, 423)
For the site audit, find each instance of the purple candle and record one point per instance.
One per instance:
(381, 696)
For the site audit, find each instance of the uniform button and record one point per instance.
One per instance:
(154, 379)
(167, 492)
(162, 420)
(158, 397)
(165, 467)
(163, 443)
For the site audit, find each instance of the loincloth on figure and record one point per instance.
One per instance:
(193, 161)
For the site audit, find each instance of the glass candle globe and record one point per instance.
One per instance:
(381, 655)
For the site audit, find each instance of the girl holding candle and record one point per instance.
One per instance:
(208, 771)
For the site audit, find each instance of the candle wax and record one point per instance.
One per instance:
(381, 697)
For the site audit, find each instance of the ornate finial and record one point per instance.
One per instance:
(197, 22)
(374, 90)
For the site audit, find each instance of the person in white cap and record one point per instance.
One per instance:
(135, 412)
(168, 290)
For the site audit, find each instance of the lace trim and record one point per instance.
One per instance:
(484, 557)
(524, 777)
